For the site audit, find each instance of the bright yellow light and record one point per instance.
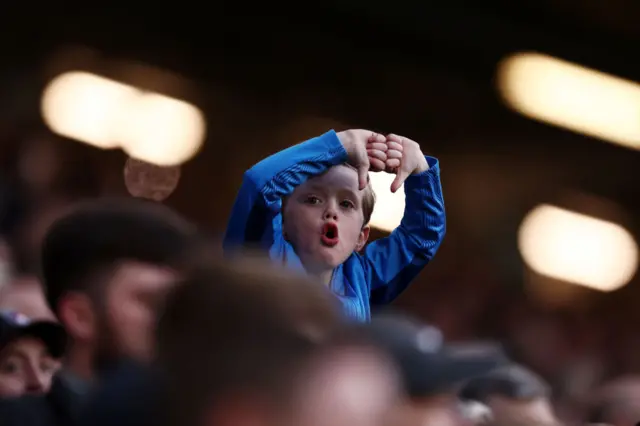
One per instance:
(389, 208)
(574, 97)
(577, 248)
(108, 114)
(83, 106)
(164, 131)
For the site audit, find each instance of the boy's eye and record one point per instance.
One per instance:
(312, 200)
(347, 204)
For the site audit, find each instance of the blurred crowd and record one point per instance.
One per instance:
(143, 324)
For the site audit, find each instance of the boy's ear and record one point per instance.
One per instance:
(363, 237)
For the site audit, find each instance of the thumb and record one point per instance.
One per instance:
(401, 176)
(363, 176)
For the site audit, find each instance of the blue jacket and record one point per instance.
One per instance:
(387, 265)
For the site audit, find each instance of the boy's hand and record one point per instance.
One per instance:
(365, 149)
(377, 153)
(404, 158)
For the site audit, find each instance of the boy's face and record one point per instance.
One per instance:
(323, 219)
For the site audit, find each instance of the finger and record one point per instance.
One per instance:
(395, 145)
(401, 176)
(376, 165)
(374, 153)
(392, 164)
(363, 176)
(376, 137)
(391, 137)
(393, 153)
(380, 146)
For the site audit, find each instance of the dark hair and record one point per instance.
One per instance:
(97, 234)
(513, 381)
(238, 327)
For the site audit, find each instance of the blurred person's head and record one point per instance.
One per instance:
(233, 340)
(616, 403)
(348, 381)
(431, 371)
(24, 294)
(514, 394)
(106, 267)
(30, 353)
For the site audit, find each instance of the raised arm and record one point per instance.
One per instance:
(255, 218)
(391, 263)
(256, 211)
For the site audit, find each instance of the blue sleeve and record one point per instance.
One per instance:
(255, 218)
(391, 263)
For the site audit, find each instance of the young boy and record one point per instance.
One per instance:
(310, 206)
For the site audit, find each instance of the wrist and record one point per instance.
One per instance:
(346, 139)
(422, 167)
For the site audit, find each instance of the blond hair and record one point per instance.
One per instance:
(368, 198)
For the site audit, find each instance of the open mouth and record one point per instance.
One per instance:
(330, 234)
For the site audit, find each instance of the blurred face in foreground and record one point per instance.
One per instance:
(351, 386)
(134, 296)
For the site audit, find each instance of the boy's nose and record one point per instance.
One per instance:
(330, 214)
